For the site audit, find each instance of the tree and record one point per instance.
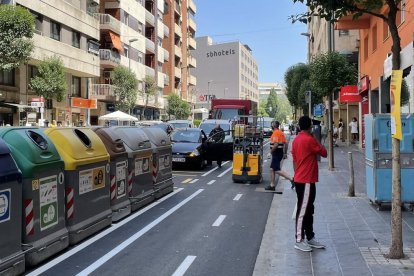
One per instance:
(262, 109)
(334, 10)
(272, 104)
(125, 88)
(296, 83)
(184, 110)
(16, 31)
(284, 109)
(150, 88)
(177, 107)
(50, 82)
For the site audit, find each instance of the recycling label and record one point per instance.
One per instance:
(5, 203)
(142, 165)
(48, 202)
(121, 168)
(164, 161)
(90, 180)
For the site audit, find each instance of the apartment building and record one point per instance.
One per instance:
(345, 42)
(266, 87)
(179, 68)
(65, 29)
(131, 35)
(224, 70)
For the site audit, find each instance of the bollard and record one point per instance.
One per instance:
(351, 190)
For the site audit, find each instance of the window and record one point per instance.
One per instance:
(140, 57)
(55, 30)
(374, 38)
(38, 22)
(7, 77)
(343, 32)
(76, 39)
(76, 86)
(366, 48)
(32, 71)
(385, 30)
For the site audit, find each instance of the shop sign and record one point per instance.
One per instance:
(84, 103)
(349, 94)
(363, 84)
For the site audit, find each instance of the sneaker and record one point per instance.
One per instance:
(315, 243)
(303, 246)
(270, 188)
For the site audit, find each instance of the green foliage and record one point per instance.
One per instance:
(50, 82)
(196, 123)
(296, 80)
(150, 88)
(262, 109)
(177, 107)
(272, 104)
(125, 88)
(284, 109)
(330, 71)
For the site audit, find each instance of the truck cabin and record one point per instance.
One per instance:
(228, 112)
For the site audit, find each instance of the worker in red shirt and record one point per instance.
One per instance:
(305, 149)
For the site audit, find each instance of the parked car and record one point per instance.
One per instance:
(181, 123)
(267, 126)
(189, 147)
(214, 149)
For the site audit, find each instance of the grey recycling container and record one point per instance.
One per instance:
(88, 208)
(139, 149)
(11, 254)
(162, 163)
(118, 172)
(44, 230)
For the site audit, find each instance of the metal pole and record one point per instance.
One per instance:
(310, 104)
(331, 164)
(351, 190)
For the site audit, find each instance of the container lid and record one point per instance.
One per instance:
(111, 139)
(31, 149)
(78, 146)
(133, 137)
(157, 136)
(8, 168)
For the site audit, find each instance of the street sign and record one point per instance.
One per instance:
(37, 104)
(318, 110)
(41, 99)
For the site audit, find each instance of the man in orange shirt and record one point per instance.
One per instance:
(278, 151)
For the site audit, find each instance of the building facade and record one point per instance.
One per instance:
(224, 70)
(179, 67)
(265, 88)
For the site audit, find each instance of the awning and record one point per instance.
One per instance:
(21, 107)
(116, 41)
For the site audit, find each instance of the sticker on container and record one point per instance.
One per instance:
(108, 168)
(164, 161)
(5, 203)
(121, 174)
(91, 179)
(48, 202)
(61, 178)
(35, 184)
(142, 165)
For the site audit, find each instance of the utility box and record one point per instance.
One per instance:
(378, 158)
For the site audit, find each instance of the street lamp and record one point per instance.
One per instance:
(208, 92)
(129, 51)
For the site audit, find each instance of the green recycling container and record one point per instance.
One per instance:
(88, 208)
(11, 254)
(120, 204)
(44, 230)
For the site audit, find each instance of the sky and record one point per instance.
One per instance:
(276, 43)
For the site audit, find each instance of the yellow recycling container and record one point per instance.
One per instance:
(87, 184)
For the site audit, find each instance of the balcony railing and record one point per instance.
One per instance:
(192, 43)
(109, 55)
(177, 51)
(177, 30)
(102, 91)
(149, 71)
(192, 62)
(166, 55)
(149, 45)
(149, 18)
(192, 6)
(166, 31)
(192, 24)
(108, 22)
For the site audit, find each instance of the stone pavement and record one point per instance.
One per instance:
(355, 233)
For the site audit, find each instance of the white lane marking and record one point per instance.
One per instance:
(194, 180)
(211, 182)
(219, 220)
(90, 241)
(101, 261)
(187, 180)
(180, 271)
(215, 168)
(226, 171)
(238, 196)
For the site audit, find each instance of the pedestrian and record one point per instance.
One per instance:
(217, 135)
(278, 152)
(324, 132)
(334, 134)
(272, 126)
(354, 129)
(305, 149)
(340, 128)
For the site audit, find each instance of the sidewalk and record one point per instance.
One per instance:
(356, 235)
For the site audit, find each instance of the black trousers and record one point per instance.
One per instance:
(306, 193)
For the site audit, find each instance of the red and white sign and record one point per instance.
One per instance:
(363, 84)
(364, 110)
(349, 94)
(41, 99)
(201, 98)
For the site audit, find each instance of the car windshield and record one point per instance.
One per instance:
(230, 113)
(208, 127)
(186, 136)
(267, 124)
(180, 125)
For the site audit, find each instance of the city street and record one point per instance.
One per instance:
(207, 226)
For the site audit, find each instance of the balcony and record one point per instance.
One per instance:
(177, 7)
(166, 55)
(103, 92)
(166, 79)
(177, 72)
(192, 80)
(192, 44)
(149, 71)
(192, 24)
(109, 58)
(192, 62)
(177, 30)
(177, 51)
(149, 45)
(166, 31)
(149, 18)
(192, 6)
(108, 22)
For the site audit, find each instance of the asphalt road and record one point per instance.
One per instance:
(207, 226)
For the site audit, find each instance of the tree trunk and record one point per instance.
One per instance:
(331, 164)
(396, 249)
